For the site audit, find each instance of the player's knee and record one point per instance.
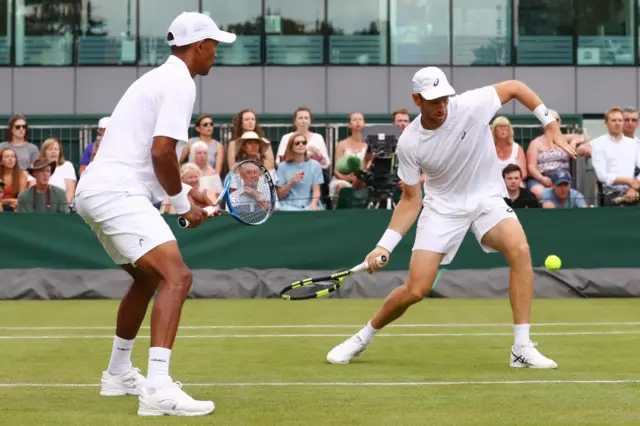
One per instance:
(518, 253)
(180, 279)
(417, 292)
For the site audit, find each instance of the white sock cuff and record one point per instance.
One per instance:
(123, 343)
(159, 353)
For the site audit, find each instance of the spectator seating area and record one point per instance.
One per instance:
(217, 143)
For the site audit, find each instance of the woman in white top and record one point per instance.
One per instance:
(353, 146)
(508, 151)
(316, 146)
(246, 121)
(204, 127)
(210, 178)
(64, 176)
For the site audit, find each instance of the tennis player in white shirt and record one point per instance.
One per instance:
(135, 167)
(450, 141)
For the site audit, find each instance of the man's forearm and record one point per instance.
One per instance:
(405, 214)
(167, 170)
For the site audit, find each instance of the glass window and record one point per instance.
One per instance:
(357, 32)
(605, 32)
(107, 32)
(420, 32)
(5, 32)
(44, 31)
(545, 32)
(481, 32)
(294, 32)
(243, 18)
(155, 18)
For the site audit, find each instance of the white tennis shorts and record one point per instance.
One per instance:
(128, 226)
(444, 233)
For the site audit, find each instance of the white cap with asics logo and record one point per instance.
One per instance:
(192, 27)
(432, 83)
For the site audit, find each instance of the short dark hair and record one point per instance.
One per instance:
(510, 169)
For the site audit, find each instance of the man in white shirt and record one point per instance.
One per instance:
(450, 141)
(615, 158)
(135, 167)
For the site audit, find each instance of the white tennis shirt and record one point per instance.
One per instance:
(458, 159)
(159, 103)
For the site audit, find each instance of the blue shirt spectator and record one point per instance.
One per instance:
(561, 195)
(299, 178)
(86, 155)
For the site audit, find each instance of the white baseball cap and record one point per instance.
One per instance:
(104, 122)
(191, 27)
(432, 83)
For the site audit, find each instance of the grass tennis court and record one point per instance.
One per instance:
(263, 363)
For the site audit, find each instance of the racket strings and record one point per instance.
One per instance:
(309, 290)
(252, 195)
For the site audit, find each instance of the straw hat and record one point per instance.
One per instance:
(252, 136)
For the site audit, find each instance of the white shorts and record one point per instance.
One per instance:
(128, 226)
(444, 233)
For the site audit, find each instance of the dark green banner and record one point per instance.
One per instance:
(586, 238)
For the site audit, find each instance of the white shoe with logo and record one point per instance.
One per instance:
(527, 356)
(128, 383)
(171, 400)
(347, 350)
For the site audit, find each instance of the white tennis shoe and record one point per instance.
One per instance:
(527, 356)
(128, 383)
(347, 350)
(171, 400)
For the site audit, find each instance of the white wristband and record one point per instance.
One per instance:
(389, 240)
(180, 201)
(542, 113)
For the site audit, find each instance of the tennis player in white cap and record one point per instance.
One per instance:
(135, 167)
(450, 141)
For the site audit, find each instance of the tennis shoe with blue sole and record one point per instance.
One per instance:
(527, 356)
(128, 383)
(171, 400)
(347, 350)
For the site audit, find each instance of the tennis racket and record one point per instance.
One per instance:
(248, 192)
(311, 288)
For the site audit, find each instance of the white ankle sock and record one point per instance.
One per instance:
(521, 334)
(367, 332)
(158, 371)
(120, 361)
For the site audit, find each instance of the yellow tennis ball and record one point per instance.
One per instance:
(553, 262)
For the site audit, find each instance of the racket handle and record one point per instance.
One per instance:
(364, 265)
(184, 223)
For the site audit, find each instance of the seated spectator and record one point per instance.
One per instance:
(250, 146)
(299, 178)
(544, 159)
(14, 179)
(561, 195)
(89, 151)
(191, 175)
(519, 197)
(615, 158)
(43, 197)
(353, 146)
(64, 176)
(204, 127)
(508, 151)
(401, 118)
(209, 178)
(316, 145)
(246, 121)
(27, 152)
(247, 192)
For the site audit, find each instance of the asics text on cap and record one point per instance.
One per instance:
(192, 27)
(432, 83)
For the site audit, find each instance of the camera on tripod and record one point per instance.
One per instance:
(381, 177)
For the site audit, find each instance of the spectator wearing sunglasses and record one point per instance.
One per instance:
(17, 140)
(299, 178)
(204, 127)
(316, 145)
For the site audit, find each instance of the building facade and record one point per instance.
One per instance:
(335, 56)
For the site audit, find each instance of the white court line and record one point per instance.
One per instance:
(260, 336)
(341, 384)
(295, 326)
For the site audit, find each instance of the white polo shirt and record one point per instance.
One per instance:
(160, 103)
(458, 159)
(612, 159)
